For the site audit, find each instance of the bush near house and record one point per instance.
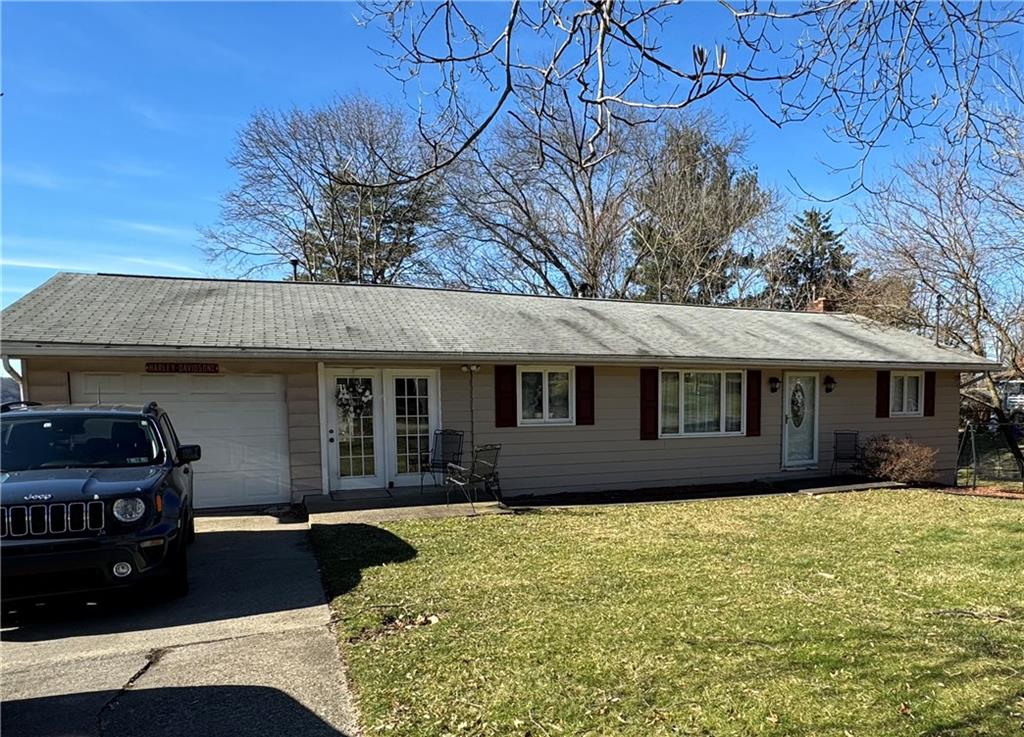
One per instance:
(898, 459)
(878, 613)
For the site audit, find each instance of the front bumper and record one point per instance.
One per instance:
(35, 569)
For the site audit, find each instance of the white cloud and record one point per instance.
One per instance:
(154, 229)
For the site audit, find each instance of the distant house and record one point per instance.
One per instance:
(296, 389)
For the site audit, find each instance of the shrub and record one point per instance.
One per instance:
(898, 459)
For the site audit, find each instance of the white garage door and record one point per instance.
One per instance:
(239, 420)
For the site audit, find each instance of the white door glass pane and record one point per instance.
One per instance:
(896, 404)
(558, 395)
(733, 402)
(702, 402)
(670, 402)
(354, 399)
(912, 390)
(532, 390)
(412, 424)
(801, 418)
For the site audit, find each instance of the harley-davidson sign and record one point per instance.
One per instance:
(182, 368)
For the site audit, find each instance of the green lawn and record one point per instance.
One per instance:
(881, 613)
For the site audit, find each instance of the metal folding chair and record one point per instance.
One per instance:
(446, 449)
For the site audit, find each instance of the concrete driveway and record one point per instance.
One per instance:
(248, 651)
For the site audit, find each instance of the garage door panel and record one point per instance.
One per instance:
(240, 420)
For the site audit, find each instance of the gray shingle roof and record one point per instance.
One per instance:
(206, 315)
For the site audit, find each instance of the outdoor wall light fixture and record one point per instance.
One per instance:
(830, 384)
(774, 383)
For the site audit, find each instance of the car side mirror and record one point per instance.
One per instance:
(189, 453)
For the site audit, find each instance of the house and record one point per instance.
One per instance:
(296, 389)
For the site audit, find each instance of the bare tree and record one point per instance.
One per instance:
(532, 215)
(697, 202)
(950, 230)
(872, 68)
(292, 203)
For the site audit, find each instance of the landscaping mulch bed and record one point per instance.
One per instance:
(998, 492)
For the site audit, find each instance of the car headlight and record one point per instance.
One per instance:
(129, 509)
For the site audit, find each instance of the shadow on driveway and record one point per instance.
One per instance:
(242, 580)
(234, 574)
(201, 711)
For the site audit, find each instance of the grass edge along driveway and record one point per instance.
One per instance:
(880, 613)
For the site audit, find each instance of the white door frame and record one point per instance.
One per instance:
(385, 444)
(813, 462)
(433, 377)
(331, 435)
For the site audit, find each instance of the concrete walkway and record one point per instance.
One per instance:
(248, 651)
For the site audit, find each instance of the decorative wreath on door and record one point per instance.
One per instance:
(797, 405)
(354, 401)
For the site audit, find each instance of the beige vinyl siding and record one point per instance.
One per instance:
(605, 455)
(610, 455)
(47, 382)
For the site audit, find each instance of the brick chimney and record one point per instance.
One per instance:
(821, 304)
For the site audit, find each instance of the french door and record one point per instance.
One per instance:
(800, 414)
(379, 423)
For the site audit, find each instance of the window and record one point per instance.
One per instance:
(547, 395)
(906, 392)
(702, 402)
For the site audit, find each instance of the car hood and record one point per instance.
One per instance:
(77, 484)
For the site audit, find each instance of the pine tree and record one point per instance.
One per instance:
(812, 263)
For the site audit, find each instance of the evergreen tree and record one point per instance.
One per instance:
(812, 263)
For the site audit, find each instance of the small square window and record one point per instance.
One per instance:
(546, 395)
(906, 391)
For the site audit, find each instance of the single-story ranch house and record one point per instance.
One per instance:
(296, 389)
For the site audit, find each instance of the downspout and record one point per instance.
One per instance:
(14, 375)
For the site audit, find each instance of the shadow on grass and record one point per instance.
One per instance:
(346, 550)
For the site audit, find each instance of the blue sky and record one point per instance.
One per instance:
(118, 118)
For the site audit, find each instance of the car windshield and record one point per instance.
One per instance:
(36, 441)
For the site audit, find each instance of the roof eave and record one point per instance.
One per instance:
(18, 349)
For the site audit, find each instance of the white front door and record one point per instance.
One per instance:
(379, 423)
(800, 414)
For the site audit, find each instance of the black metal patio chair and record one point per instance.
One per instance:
(482, 472)
(446, 449)
(845, 448)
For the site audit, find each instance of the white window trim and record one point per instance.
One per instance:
(682, 409)
(545, 370)
(920, 393)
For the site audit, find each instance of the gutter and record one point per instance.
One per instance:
(409, 357)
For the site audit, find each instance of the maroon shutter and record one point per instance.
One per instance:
(754, 403)
(929, 393)
(584, 395)
(648, 404)
(882, 393)
(505, 396)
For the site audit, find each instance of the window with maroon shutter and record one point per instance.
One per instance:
(505, 396)
(584, 395)
(882, 389)
(648, 404)
(754, 403)
(929, 393)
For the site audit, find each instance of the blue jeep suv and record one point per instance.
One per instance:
(92, 498)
